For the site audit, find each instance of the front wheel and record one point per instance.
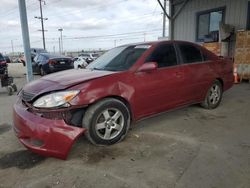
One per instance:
(107, 122)
(214, 96)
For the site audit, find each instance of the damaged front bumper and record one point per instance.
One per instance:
(44, 136)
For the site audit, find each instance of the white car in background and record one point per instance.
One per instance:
(80, 63)
(89, 57)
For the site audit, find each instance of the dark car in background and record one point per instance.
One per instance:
(7, 59)
(45, 63)
(3, 65)
(33, 52)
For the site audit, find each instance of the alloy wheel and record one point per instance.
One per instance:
(109, 124)
(214, 94)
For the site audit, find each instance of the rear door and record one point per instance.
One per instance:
(197, 72)
(162, 89)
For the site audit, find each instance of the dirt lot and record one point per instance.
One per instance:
(190, 147)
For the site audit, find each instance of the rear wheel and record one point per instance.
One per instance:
(107, 122)
(14, 87)
(214, 96)
(9, 90)
(42, 72)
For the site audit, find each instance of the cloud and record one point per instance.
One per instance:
(9, 24)
(88, 24)
(80, 3)
(82, 18)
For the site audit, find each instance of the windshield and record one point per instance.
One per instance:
(118, 59)
(1, 58)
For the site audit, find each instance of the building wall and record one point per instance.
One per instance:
(185, 23)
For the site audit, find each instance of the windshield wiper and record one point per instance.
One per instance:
(105, 69)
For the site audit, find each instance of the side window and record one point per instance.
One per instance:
(206, 57)
(41, 58)
(37, 58)
(164, 55)
(190, 54)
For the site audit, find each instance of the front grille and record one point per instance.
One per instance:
(26, 96)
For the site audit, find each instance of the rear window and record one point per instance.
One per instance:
(42, 58)
(190, 54)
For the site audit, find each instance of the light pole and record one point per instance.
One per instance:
(61, 30)
(12, 47)
(26, 38)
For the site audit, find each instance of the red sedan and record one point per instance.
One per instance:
(125, 84)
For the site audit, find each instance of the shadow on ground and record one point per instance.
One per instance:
(23, 159)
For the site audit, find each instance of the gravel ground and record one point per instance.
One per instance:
(189, 147)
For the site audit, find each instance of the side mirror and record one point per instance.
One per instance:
(148, 67)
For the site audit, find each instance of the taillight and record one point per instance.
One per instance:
(3, 63)
(52, 62)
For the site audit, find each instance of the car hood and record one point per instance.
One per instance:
(63, 80)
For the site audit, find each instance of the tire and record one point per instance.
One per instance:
(79, 67)
(9, 90)
(14, 87)
(42, 72)
(214, 96)
(107, 122)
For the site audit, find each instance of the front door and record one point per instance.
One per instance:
(161, 89)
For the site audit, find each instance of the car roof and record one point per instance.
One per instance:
(158, 42)
(53, 55)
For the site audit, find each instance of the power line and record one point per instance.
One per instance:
(14, 10)
(109, 36)
(100, 36)
(84, 11)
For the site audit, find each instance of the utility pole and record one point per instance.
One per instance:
(172, 15)
(61, 30)
(12, 47)
(42, 19)
(164, 20)
(26, 39)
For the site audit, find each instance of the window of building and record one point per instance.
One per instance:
(164, 55)
(248, 16)
(190, 54)
(208, 24)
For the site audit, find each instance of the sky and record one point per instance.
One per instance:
(87, 24)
